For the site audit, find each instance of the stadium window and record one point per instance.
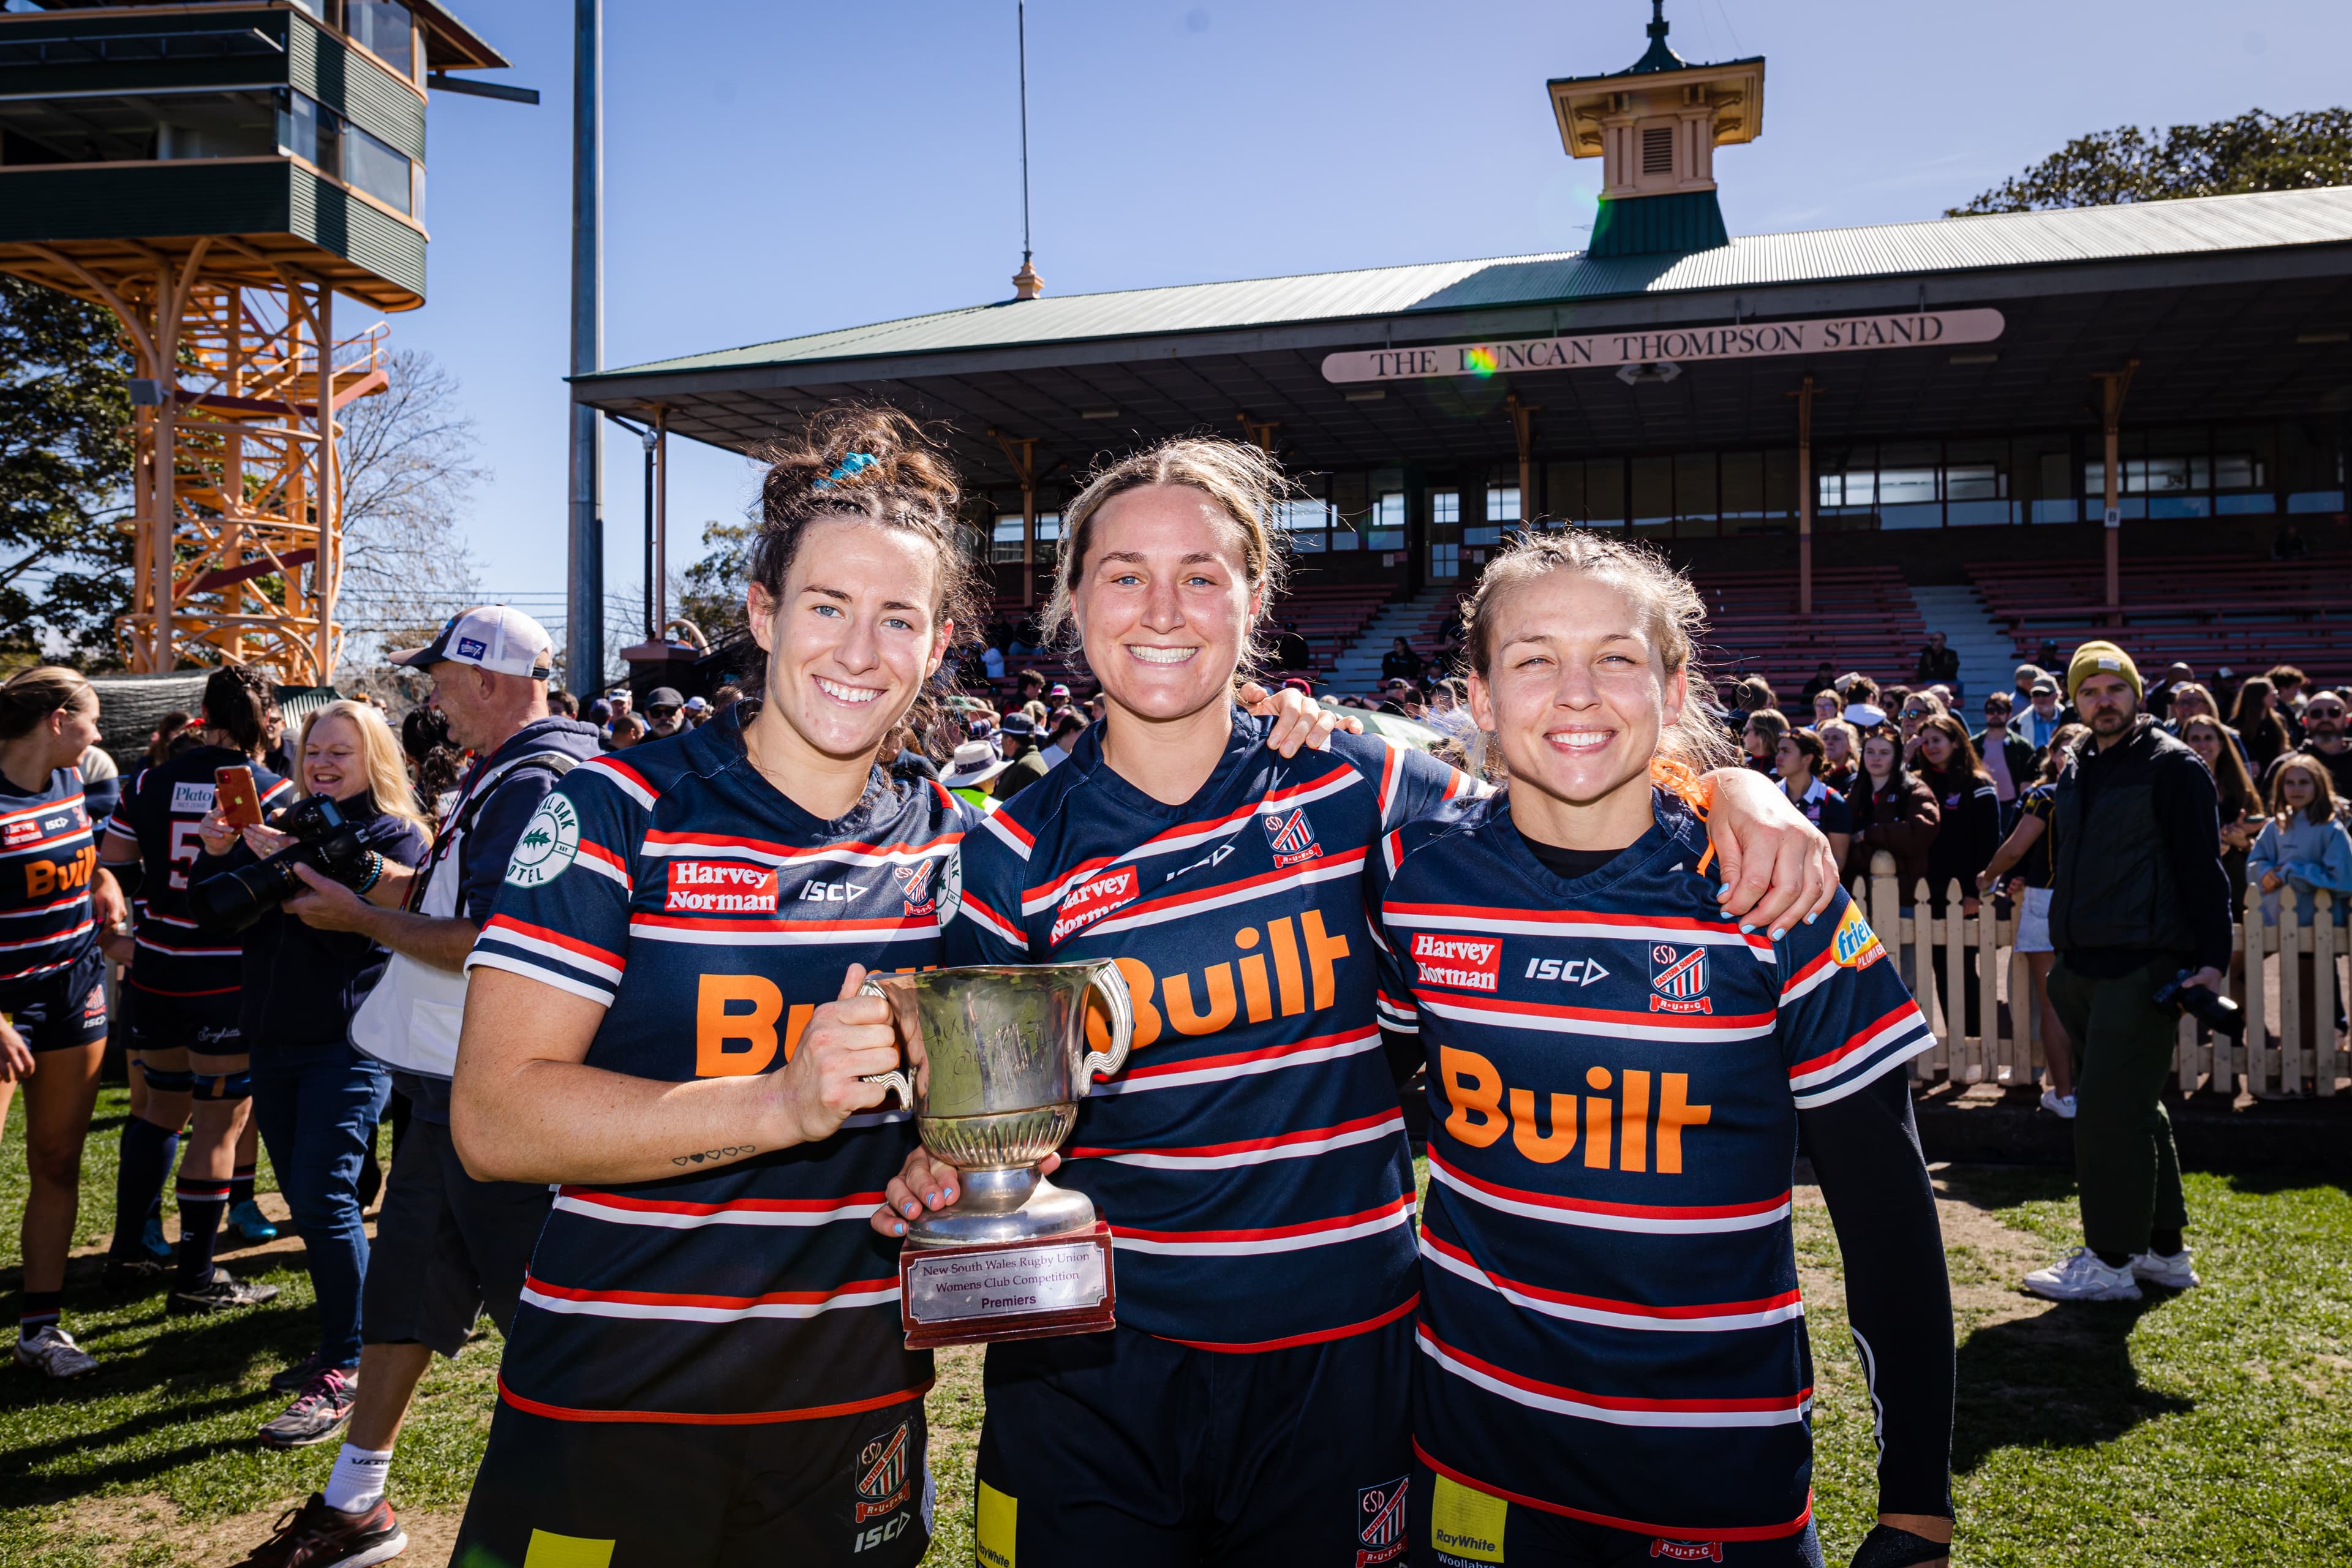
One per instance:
(2311, 468)
(1976, 484)
(1445, 563)
(1385, 527)
(1743, 492)
(1502, 503)
(1909, 485)
(1654, 494)
(1694, 496)
(1444, 508)
(1304, 522)
(1006, 545)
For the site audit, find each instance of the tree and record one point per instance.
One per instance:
(712, 594)
(2255, 152)
(64, 475)
(409, 469)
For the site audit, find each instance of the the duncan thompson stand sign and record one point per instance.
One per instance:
(1745, 339)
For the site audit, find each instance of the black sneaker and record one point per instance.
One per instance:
(134, 1272)
(223, 1295)
(317, 1536)
(317, 1413)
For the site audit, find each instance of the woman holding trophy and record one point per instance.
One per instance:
(663, 1017)
(1251, 1405)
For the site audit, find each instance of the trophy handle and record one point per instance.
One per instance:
(895, 1079)
(1111, 986)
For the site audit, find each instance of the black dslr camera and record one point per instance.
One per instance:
(2223, 1016)
(326, 840)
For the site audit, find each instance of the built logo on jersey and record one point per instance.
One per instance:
(1291, 836)
(1379, 1522)
(1678, 980)
(1465, 962)
(1857, 945)
(884, 1483)
(550, 842)
(720, 887)
(1089, 902)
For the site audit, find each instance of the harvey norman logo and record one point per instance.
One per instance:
(720, 887)
(1742, 340)
(1465, 962)
(1089, 902)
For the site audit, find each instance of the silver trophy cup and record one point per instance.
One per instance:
(999, 1059)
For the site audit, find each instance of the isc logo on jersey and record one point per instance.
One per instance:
(1857, 945)
(549, 843)
(720, 887)
(1089, 902)
(1465, 962)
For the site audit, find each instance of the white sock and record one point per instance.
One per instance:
(357, 1484)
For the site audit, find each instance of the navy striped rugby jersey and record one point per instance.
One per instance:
(1610, 1319)
(1250, 1158)
(48, 856)
(711, 916)
(160, 812)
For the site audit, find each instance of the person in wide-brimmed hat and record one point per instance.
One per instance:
(971, 768)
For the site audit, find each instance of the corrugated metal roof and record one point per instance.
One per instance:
(2208, 224)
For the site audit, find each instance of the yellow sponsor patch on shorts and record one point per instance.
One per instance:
(1466, 1523)
(549, 1550)
(998, 1517)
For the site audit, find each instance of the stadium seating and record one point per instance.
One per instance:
(2206, 611)
(1331, 615)
(1864, 619)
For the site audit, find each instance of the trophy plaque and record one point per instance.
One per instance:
(996, 1061)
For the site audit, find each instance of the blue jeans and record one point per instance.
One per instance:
(317, 1107)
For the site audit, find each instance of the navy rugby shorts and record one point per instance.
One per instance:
(1462, 1526)
(1122, 1449)
(206, 1024)
(60, 1012)
(841, 1491)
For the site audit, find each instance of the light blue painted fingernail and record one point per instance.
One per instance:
(899, 1228)
(1779, 931)
(911, 1211)
(949, 1195)
(1810, 918)
(930, 1198)
(1746, 927)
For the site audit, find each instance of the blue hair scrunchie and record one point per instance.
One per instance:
(851, 467)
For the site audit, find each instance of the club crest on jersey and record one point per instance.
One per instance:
(1381, 1523)
(884, 1483)
(1678, 980)
(1291, 836)
(1857, 945)
(1469, 962)
(720, 887)
(550, 842)
(915, 885)
(1687, 1551)
(1091, 899)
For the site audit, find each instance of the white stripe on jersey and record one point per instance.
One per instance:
(839, 854)
(1601, 1314)
(1247, 1067)
(484, 959)
(568, 956)
(684, 1313)
(1596, 1217)
(815, 933)
(1692, 1031)
(1233, 1159)
(1240, 1244)
(1523, 923)
(678, 1217)
(1559, 1405)
(56, 936)
(1324, 870)
(621, 777)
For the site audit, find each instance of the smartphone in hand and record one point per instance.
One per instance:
(235, 794)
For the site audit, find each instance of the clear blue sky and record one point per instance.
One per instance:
(775, 169)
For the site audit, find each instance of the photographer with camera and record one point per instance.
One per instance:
(2140, 917)
(446, 1244)
(182, 998)
(316, 1098)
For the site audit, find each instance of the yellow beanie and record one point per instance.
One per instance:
(2097, 658)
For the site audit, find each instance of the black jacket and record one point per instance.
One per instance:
(300, 985)
(1968, 834)
(2138, 876)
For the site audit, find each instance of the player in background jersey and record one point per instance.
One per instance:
(54, 899)
(1251, 1407)
(1614, 1361)
(707, 1365)
(183, 1001)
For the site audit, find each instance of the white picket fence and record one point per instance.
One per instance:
(2274, 1059)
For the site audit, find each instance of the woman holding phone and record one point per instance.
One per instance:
(1251, 1160)
(183, 999)
(315, 1098)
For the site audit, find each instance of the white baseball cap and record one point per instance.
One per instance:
(496, 638)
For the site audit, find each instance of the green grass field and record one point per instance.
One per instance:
(2215, 1427)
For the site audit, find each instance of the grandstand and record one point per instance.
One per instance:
(2205, 610)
